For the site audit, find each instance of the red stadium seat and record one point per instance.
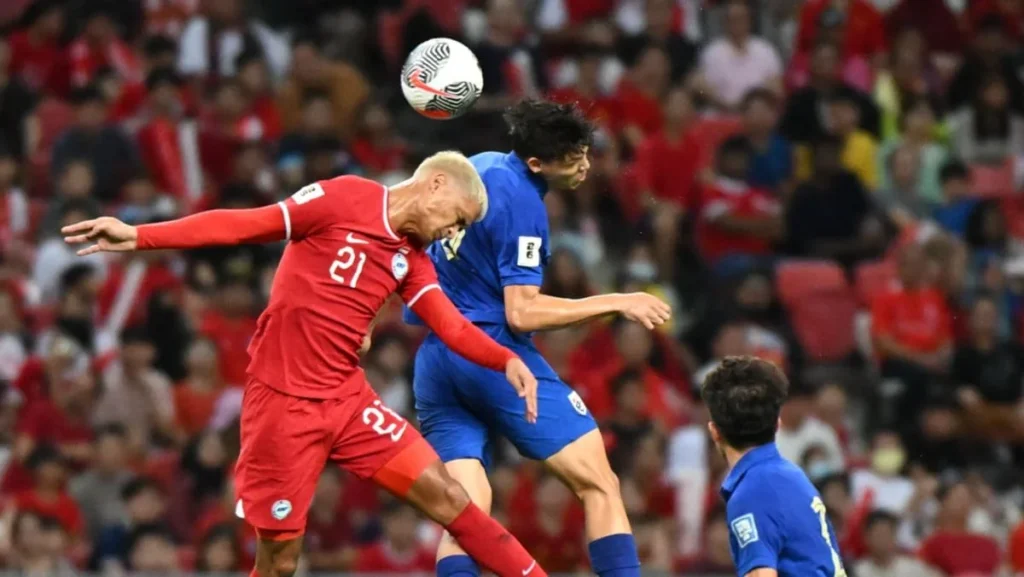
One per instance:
(824, 324)
(796, 280)
(992, 181)
(872, 278)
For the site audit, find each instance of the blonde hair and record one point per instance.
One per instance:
(456, 165)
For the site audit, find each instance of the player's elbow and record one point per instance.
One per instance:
(517, 320)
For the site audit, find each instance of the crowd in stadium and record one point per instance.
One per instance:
(829, 184)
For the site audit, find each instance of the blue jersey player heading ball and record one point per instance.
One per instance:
(493, 272)
(777, 521)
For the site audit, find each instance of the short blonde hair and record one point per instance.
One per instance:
(456, 165)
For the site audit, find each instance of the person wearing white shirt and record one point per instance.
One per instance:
(884, 558)
(890, 491)
(738, 62)
(800, 431)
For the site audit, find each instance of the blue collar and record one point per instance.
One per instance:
(752, 458)
(536, 180)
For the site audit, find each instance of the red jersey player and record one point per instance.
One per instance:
(352, 243)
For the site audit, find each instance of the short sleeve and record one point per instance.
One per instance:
(520, 243)
(307, 212)
(754, 531)
(421, 277)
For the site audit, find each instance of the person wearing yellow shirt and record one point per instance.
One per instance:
(860, 149)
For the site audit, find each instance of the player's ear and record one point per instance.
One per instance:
(438, 182)
(713, 431)
(534, 164)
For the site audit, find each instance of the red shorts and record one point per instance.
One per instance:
(287, 441)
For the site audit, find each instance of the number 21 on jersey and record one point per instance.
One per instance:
(348, 256)
(819, 507)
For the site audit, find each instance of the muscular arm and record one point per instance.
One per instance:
(527, 310)
(216, 227)
(460, 335)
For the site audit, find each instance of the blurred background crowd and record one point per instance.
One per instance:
(831, 184)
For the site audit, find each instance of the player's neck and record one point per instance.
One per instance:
(733, 456)
(402, 201)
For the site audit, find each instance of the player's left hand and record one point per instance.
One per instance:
(106, 233)
(520, 377)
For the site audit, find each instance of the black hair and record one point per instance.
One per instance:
(73, 205)
(953, 170)
(86, 95)
(623, 379)
(547, 131)
(42, 455)
(37, 10)
(880, 516)
(247, 57)
(990, 23)
(759, 95)
(97, 9)
(159, 45)
(307, 38)
(147, 531)
(828, 141)
(161, 76)
(138, 486)
(736, 144)
(744, 396)
(111, 430)
(313, 94)
(323, 145)
(135, 334)
(74, 275)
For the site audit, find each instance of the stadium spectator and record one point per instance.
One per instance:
(99, 48)
(861, 28)
(400, 550)
(771, 166)
(732, 66)
(884, 558)
(219, 552)
(952, 549)
(40, 546)
(554, 535)
(860, 150)
(48, 497)
(958, 204)
(639, 96)
(98, 491)
(36, 56)
(661, 29)
(152, 550)
(989, 56)
(801, 432)
(988, 131)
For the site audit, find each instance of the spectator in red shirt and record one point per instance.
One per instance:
(586, 92)
(951, 548)
(638, 101)
(666, 161)
(377, 148)
(862, 35)
(230, 326)
(99, 47)
(715, 556)
(254, 79)
(48, 497)
(628, 424)
(1016, 548)
(912, 329)
(551, 535)
(158, 138)
(736, 221)
(196, 398)
(329, 535)
(399, 551)
(36, 55)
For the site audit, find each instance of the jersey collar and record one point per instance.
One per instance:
(755, 456)
(536, 180)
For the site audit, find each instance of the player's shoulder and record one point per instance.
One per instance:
(772, 484)
(350, 185)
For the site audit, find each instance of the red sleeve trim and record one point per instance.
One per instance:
(461, 336)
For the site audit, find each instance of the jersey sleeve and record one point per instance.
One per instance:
(756, 531)
(519, 238)
(420, 279)
(311, 209)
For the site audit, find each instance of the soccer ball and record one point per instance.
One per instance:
(441, 79)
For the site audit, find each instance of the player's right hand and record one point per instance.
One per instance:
(648, 310)
(520, 377)
(106, 233)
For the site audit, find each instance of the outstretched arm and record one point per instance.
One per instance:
(527, 310)
(463, 337)
(210, 228)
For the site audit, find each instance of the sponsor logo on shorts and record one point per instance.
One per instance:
(281, 509)
(577, 403)
(399, 266)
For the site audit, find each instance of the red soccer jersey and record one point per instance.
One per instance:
(732, 198)
(342, 263)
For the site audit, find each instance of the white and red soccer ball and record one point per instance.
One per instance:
(441, 79)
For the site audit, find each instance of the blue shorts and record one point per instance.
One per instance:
(460, 404)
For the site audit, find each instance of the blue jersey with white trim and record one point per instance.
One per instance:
(777, 519)
(509, 246)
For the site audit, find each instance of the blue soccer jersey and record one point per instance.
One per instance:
(459, 404)
(777, 520)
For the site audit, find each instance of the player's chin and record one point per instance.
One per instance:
(576, 182)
